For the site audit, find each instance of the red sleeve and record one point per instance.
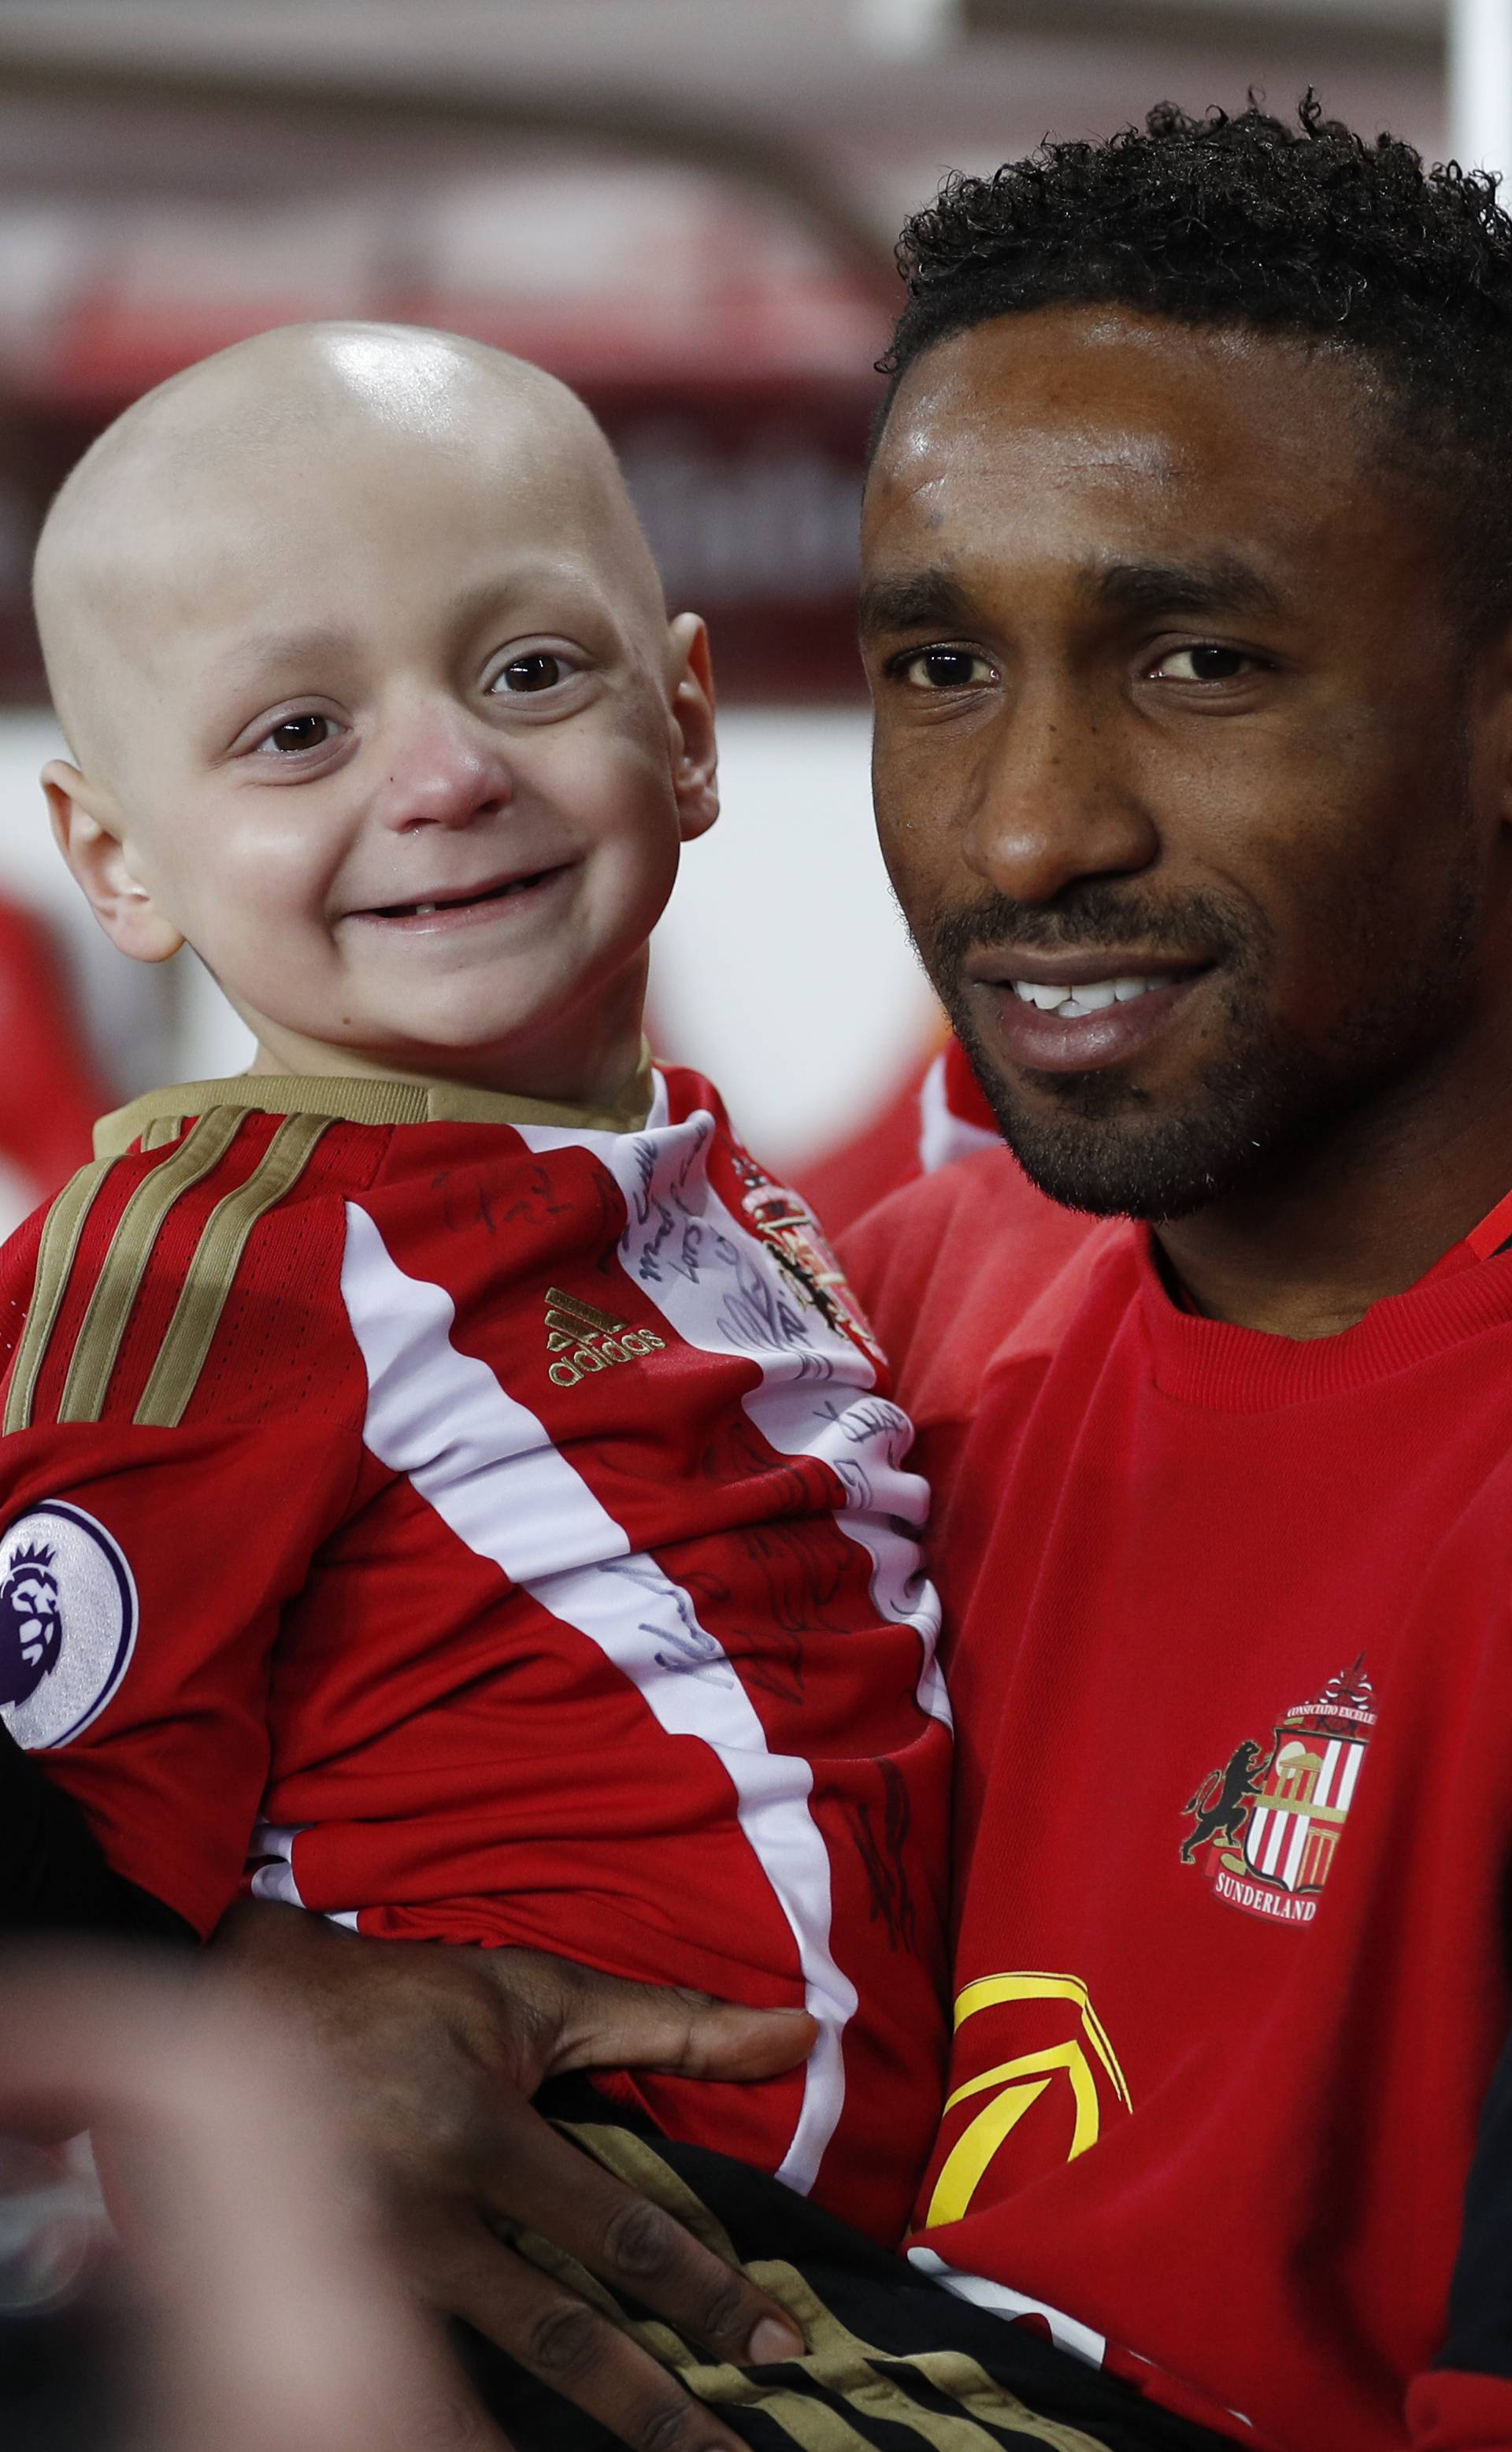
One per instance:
(949, 1265)
(183, 1436)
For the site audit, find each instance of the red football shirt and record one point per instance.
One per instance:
(516, 1506)
(1231, 1662)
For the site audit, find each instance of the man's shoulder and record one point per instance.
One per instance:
(952, 1266)
(115, 1295)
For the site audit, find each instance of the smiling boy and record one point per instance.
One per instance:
(445, 1437)
(309, 526)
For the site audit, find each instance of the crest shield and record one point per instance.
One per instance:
(1282, 1813)
(1295, 1821)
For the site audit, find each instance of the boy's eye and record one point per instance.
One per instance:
(1206, 663)
(298, 732)
(945, 668)
(537, 671)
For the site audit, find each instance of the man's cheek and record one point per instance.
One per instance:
(919, 841)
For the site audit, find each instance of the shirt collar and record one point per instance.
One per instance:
(360, 1098)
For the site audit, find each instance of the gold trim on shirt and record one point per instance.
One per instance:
(203, 1119)
(864, 2388)
(190, 1332)
(206, 1282)
(126, 1264)
(56, 1253)
(359, 1098)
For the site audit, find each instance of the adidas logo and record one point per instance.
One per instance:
(584, 1340)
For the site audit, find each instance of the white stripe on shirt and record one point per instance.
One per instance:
(487, 1465)
(715, 1281)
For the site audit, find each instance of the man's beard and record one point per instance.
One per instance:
(1263, 1102)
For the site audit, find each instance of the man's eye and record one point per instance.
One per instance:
(540, 671)
(298, 732)
(1204, 664)
(946, 668)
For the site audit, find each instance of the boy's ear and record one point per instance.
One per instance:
(86, 827)
(695, 750)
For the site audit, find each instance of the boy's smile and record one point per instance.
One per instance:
(378, 707)
(458, 907)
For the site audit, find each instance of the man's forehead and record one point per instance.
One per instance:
(1091, 440)
(1081, 396)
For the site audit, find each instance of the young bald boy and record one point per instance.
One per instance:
(443, 1442)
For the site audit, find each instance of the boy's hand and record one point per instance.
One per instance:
(438, 2051)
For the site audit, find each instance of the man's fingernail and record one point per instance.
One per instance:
(771, 2340)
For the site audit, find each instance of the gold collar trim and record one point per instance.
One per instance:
(357, 1098)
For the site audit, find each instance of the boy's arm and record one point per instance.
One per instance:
(143, 1576)
(181, 1438)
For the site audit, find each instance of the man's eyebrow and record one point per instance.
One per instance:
(1218, 583)
(918, 599)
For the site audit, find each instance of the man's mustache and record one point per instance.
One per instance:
(1192, 927)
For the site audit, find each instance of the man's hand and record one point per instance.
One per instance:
(438, 2051)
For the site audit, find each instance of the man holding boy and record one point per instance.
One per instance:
(1186, 606)
(445, 1439)
(1188, 579)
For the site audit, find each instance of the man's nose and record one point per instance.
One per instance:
(1053, 802)
(442, 770)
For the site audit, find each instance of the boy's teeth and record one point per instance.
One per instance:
(424, 910)
(1091, 995)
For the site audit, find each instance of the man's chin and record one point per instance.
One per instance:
(1093, 1143)
(1105, 1180)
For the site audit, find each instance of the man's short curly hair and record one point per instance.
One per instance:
(1310, 233)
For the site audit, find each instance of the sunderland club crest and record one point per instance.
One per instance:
(797, 1244)
(1266, 1823)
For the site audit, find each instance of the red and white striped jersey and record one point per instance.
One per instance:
(511, 1509)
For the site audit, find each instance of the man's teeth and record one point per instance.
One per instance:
(1090, 996)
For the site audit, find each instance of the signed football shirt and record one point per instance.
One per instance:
(513, 1506)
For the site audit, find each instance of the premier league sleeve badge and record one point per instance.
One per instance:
(68, 1623)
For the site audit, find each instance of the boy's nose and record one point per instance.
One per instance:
(443, 774)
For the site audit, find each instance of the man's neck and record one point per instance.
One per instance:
(1363, 1216)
